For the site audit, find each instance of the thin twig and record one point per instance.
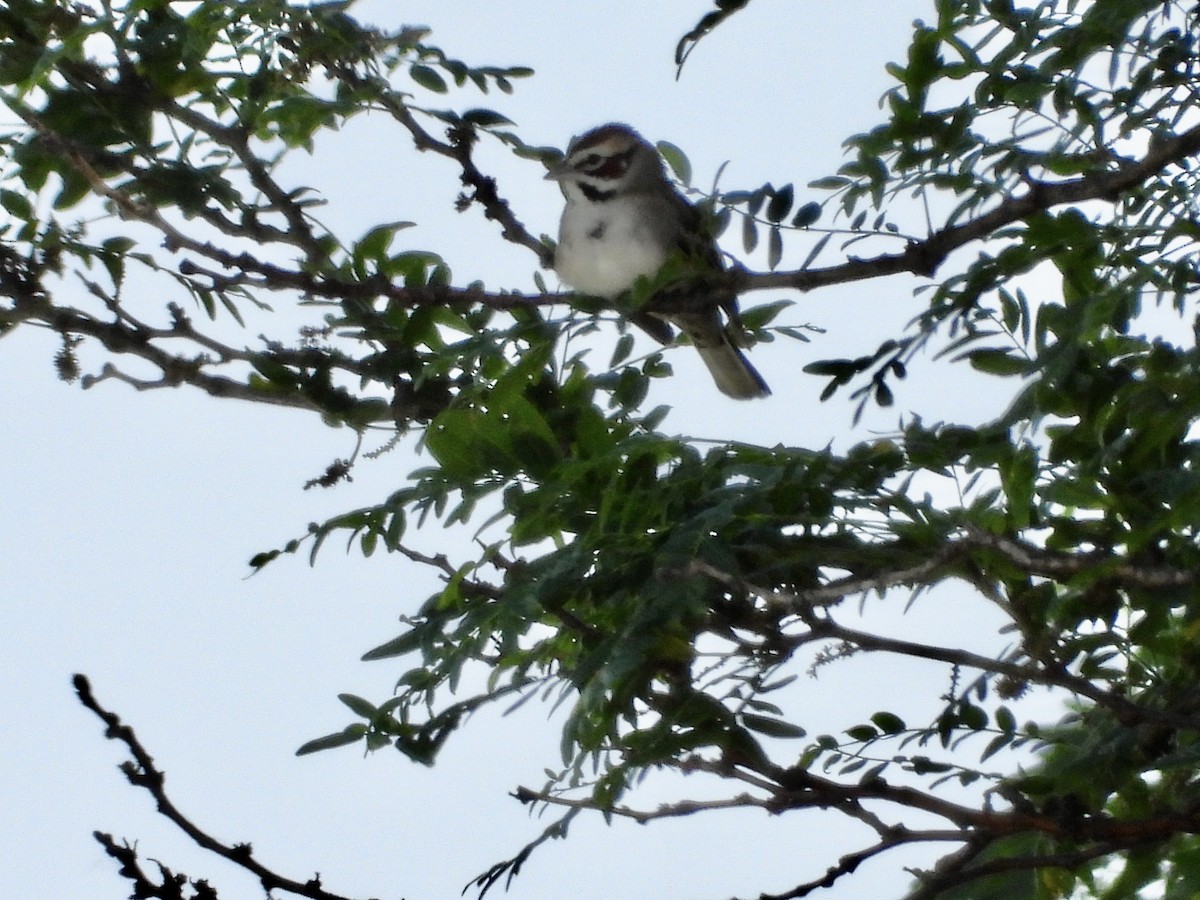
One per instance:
(847, 864)
(925, 257)
(142, 772)
(512, 867)
(642, 816)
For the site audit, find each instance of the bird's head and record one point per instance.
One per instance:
(606, 161)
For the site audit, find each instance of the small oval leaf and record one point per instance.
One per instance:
(774, 248)
(888, 723)
(428, 78)
(772, 727)
(677, 160)
(806, 215)
(749, 234)
(781, 203)
(351, 735)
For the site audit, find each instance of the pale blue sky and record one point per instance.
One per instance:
(128, 518)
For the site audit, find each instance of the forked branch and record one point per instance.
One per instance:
(142, 772)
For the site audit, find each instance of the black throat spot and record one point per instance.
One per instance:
(595, 195)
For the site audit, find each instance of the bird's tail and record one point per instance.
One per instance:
(733, 373)
(726, 362)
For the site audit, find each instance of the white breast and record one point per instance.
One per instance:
(604, 247)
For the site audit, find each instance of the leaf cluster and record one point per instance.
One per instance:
(1036, 165)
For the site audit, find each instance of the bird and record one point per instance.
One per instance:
(623, 220)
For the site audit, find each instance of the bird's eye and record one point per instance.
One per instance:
(592, 160)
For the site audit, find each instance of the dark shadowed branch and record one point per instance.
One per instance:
(240, 269)
(142, 772)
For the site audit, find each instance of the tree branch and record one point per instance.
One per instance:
(171, 884)
(1126, 710)
(922, 257)
(849, 863)
(461, 139)
(1050, 564)
(142, 772)
(935, 883)
(642, 816)
(925, 257)
(512, 867)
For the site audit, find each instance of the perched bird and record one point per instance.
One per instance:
(623, 220)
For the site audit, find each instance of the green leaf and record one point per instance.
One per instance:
(118, 244)
(837, 368)
(395, 529)
(780, 203)
(923, 765)
(351, 735)
(863, 733)
(486, 118)
(677, 160)
(359, 706)
(764, 314)
(621, 351)
(995, 745)
(888, 723)
(398, 646)
(258, 560)
(816, 250)
(296, 119)
(972, 716)
(1018, 476)
(375, 243)
(428, 78)
(997, 361)
(830, 183)
(74, 188)
(774, 247)
(806, 215)
(772, 727)
(749, 233)
(16, 204)
(449, 439)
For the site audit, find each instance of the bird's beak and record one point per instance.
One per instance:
(559, 171)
